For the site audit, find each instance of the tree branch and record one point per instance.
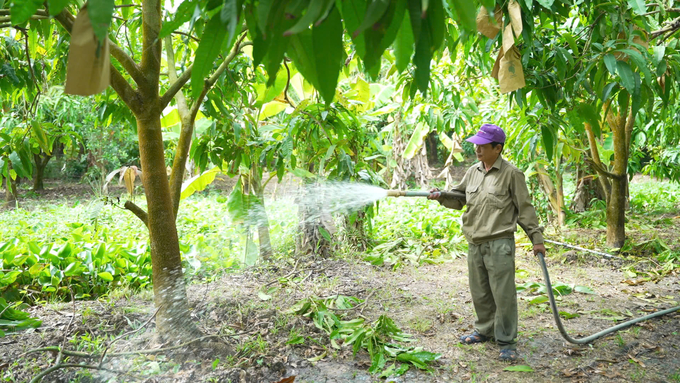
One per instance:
(138, 211)
(671, 28)
(151, 47)
(175, 87)
(188, 121)
(603, 172)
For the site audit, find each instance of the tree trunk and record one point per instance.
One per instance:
(262, 220)
(313, 221)
(40, 164)
(172, 320)
(616, 206)
(587, 189)
(418, 167)
(10, 184)
(355, 233)
(431, 145)
(554, 192)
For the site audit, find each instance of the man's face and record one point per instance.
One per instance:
(487, 154)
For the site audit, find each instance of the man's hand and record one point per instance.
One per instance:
(539, 248)
(435, 194)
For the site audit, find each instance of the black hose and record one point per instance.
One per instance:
(588, 339)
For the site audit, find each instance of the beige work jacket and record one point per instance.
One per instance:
(496, 201)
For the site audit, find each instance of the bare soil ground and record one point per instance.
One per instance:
(432, 302)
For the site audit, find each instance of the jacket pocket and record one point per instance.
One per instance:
(471, 194)
(499, 197)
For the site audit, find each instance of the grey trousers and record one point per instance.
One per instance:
(491, 272)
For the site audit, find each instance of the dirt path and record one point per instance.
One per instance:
(431, 302)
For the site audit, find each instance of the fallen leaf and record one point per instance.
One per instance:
(636, 361)
(519, 368)
(289, 379)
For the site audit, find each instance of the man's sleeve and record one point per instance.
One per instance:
(455, 203)
(527, 218)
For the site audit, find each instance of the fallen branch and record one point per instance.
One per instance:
(285, 276)
(43, 374)
(101, 361)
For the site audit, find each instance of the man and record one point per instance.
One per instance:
(497, 200)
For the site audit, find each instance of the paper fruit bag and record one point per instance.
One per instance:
(88, 71)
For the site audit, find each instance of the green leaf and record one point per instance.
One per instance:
(375, 10)
(423, 58)
(353, 12)
(539, 299)
(546, 3)
(105, 275)
(237, 204)
(329, 54)
(311, 15)
(467, 13)
(416, 141)
(659, 52)
(325, 233)
(519, 368)
(610, 63)
(206, 53)
(41, 137)
(382, 34)
(589, 113)
(403, 46)
(100, 13)
(182, 15)
(584, 290)
(198, 183)
(272, 109)
(229, 14)
(21, 11)
(626, 74)
(607, 90)
(302, 53)
(56, 6)
(638, 6)
(548, 141)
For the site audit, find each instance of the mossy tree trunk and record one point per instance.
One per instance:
(41, 161)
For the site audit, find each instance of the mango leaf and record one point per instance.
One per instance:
(403, 46)
(467, 13)
(416, 141)
(100, 13)
(538, 299)
(329, 54)
(548, 141)
(237, 204)
(638, 6)
(626, 74)
(583, 290)
(251, 252)
(41, 137)
(314, 11)
(272, 108)
(610, 63)
(589, 113)
(198, 183)
(182, 15)
(206, 53)
(546, 3)
(374, 11)
(56, 6)
(353, 12)
(230, 13)
(21, 11)
(520, 368)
